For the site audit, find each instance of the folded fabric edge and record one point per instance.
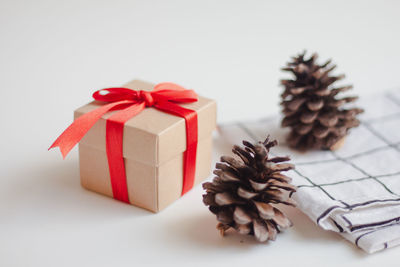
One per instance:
(332, 218)
(375, 240)
(367, 218)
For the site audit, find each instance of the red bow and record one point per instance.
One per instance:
(165, 97)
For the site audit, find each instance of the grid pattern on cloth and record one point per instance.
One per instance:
(355, 190)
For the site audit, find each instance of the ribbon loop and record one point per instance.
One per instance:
(115, 94)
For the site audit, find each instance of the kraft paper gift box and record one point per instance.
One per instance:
(153, 147)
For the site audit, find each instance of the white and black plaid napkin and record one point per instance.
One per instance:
(355, 190)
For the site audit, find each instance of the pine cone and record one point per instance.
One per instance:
(316, 117)
(243, 190)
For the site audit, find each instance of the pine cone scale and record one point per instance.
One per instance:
(308, 117)
(241, 217)
(260, 230)
(266, 210)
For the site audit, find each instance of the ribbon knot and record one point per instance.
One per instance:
(146, 97)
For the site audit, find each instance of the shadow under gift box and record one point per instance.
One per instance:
(153, 147)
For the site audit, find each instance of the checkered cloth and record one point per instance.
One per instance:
(355, 190)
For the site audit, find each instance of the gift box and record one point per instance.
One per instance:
(154, 144)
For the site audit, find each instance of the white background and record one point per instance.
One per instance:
(54, 54)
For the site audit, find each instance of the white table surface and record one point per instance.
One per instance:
(54, 54)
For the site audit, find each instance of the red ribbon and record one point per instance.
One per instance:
(164, 97)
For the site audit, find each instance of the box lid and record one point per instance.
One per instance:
(152, 136)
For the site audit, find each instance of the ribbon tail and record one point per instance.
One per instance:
(189, 162)
(75, 132)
